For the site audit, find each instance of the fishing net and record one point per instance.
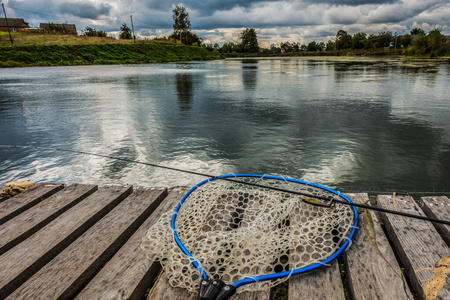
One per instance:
(236, 231)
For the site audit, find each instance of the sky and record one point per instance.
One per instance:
(220, 21)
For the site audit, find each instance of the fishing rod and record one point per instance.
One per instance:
(330, 200)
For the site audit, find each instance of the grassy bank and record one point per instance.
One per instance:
(88, 54)
(24, 38)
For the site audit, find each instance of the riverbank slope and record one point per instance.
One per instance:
(89, 54)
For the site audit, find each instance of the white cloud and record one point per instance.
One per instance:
(222, 20)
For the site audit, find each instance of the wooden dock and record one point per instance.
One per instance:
(83, 242)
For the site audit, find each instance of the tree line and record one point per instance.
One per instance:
(416, 42)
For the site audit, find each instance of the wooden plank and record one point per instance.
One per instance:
(23, 201)
(323, 283)
(27, 223)
(419, 247)
(163, 290)
(371, 267)
(129, 274)
(22, 261)
(438, 208)
(68, 272)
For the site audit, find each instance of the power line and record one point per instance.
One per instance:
(32, 12)
(54, 16)
(142, 22)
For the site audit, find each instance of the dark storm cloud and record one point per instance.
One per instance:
(206, 7)
(85, 9)
(352, 2)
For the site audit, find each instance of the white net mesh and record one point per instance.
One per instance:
(236, 231)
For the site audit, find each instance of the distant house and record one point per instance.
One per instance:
(59, 28)
(286, 47)
(15, 24)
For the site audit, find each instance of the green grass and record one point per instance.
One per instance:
(280, 292)
(88, 54)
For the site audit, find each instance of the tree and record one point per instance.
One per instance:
(419, 44)
(89, 31)
(181, 20)
(383, 39)
(343, 40)
(371, 41)
(312, 46)
(405, 41)
(359, 40)
(274, 49)
(125, 32)
(227, 47)
(249, 41)
(341, 33)
(417, 31)
(330, 45)
(435, 39)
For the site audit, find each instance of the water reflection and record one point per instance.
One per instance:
(133, 82)
(249, 73)
(185, 90)
(339, 123)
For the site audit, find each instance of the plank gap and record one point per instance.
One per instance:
(344, 271)
(20, 264)
(14, 206)
(31, 221)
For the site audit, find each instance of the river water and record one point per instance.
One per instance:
(351, 124)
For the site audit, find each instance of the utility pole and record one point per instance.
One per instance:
(134, 36)
(7, 25)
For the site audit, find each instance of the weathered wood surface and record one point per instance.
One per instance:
(419, 247)
(163, 290)
(21, 262)
(323, 283)
(65, 246)
(30, 221)
(129, 273)
(77, 264)
(13, 206)
(372, 269)
(438, 208)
